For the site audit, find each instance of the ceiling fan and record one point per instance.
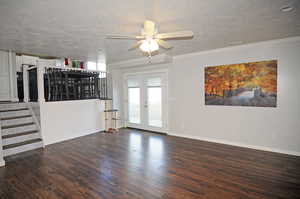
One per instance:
(150, 40)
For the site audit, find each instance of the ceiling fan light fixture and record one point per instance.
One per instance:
(149, 45)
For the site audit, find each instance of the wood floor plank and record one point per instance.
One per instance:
(134, 164)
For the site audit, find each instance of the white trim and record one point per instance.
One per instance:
(40, 83)
(70, 101)
(25, 83)
(164, 58)
(5, 100)
(15, 100)
(10, 75)
(31, 68)
(37, 123)
(139, 74)
(247, 45)
(144, 61)
(269, 149)
(146, 71)
(98, 130)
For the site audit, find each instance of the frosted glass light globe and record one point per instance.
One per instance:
(149, 45)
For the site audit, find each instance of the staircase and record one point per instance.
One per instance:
(20, 130)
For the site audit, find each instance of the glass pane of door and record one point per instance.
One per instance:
(155, 106)
(134, 110)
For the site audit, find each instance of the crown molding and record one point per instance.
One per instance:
(158, 59)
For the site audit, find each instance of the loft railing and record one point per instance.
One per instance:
(60, 84)
(32, 84)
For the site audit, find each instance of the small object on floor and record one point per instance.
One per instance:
(112, 130)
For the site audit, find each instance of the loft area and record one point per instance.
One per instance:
(62, 84)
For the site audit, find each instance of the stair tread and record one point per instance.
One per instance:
(19, 134)
(111, 110)
(7, 102)
(15, 109)
(21, 143)
(15, 117)
(105, 98)
(18, 125)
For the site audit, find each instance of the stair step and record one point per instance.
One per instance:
(15, 117)
(19, 129)
(18, 134)
(22, 147)
(5, 102)
(111, 110)
(17, 125)
(14, 109)
(13, 114)
(14, 122)
(19, 138)
(12, 106)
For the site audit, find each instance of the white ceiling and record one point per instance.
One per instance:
(76, 28)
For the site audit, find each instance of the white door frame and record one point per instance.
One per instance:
(165, 108)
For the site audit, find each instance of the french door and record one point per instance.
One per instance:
(146, 104)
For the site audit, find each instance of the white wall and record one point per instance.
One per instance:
(8, 77)
(69, 119)
(272, 129)
(4, 77)
(35, 106)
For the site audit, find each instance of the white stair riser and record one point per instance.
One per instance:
(12, 114)
(22, 148)
(20, 129)
(18, 139)
(12, 106)
(18, 121)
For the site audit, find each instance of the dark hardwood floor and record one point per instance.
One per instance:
(135, 164)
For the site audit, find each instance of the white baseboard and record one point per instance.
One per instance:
(2, 163)
(295, 153)
(5, 100)
(73, 137)
(14, 99)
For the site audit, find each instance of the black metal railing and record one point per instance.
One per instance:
(68, 84)
(32, 85)
(20, 86)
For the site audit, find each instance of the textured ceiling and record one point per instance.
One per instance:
(76, 28)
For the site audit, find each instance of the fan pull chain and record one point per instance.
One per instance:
(149, 57)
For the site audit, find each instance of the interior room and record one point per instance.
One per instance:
(148, 99)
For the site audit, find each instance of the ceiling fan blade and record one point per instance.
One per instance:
(163, 44)
(124, 37)
(149, 28)
(136, 45)
(175, 35)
